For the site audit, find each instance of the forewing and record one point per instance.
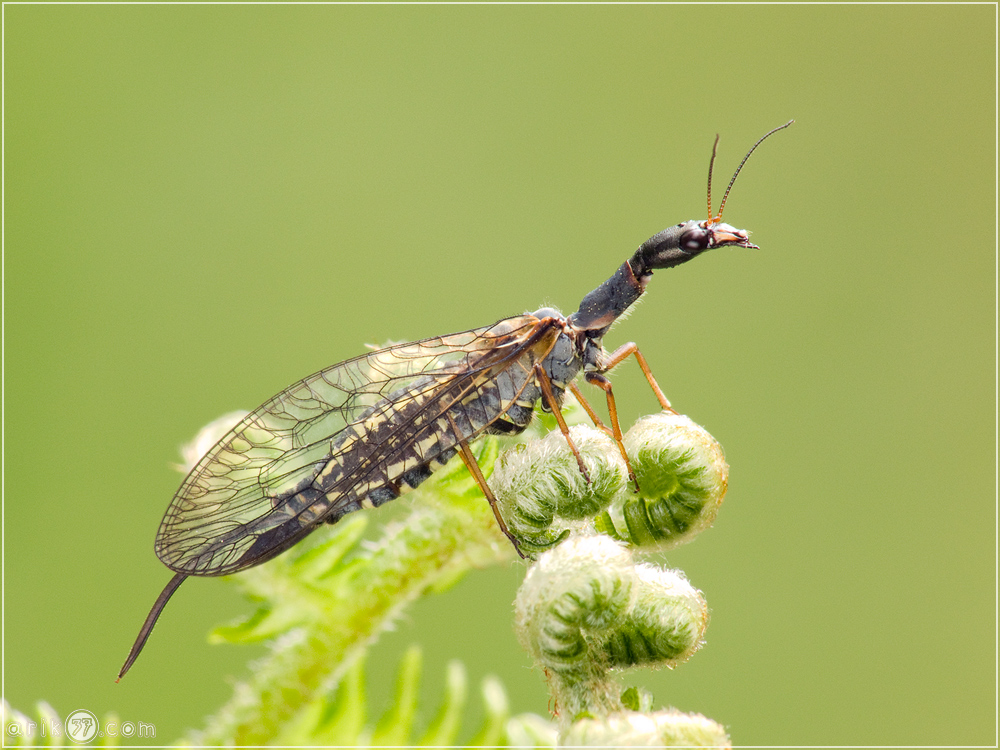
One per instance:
(252, 495)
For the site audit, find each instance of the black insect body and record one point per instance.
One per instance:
(365, 431)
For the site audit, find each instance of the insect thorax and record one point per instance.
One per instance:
(561, 365)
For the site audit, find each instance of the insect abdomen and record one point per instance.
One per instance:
(408, 480)
(496, 403)
(391, 460)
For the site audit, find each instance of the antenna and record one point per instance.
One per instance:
(711, 165)
(722, 205)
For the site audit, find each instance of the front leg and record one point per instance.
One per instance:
(621, 353)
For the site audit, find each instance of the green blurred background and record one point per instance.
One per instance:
(206, 203)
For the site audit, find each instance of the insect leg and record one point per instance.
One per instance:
(550, 400)
(151, 618)
(473, 466)
(595, 378)
(621, 353)
(578, 394)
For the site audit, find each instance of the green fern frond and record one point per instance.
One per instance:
(585, 610)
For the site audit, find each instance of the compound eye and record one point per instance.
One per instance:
(695, 239)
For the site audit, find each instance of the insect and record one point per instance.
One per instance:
(363, 432)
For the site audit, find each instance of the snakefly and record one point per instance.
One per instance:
(362, 432)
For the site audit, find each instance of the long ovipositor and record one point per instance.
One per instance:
(362, 432)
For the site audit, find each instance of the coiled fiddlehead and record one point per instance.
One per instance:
(586, 608)
(683, 477)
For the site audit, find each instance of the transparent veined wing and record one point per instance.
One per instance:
(324, 445)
